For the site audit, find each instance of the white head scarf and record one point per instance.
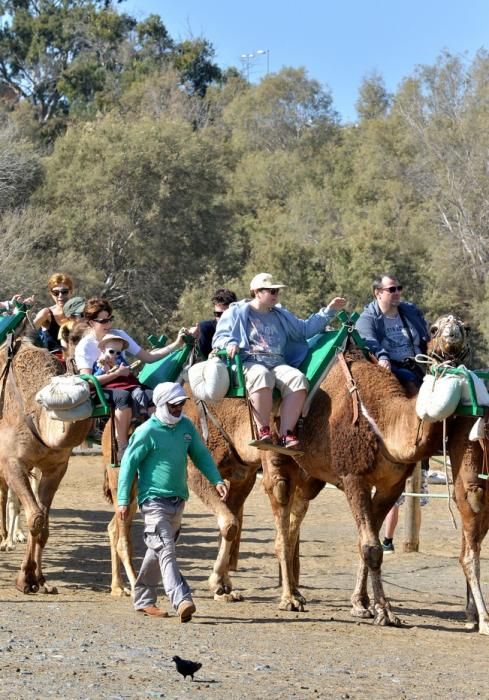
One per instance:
(164, 393)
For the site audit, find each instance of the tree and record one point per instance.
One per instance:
(20, 169)
(373, 98)
(58, 51)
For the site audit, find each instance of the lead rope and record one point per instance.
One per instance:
(445, 466)
(426, 360)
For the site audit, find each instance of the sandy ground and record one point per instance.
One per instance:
(82, 643)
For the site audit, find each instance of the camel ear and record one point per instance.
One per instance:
(467, 329)
(433, 330)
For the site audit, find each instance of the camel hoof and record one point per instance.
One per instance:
(20, 538)
(298, 596)
(472, 626)
(9, 547)
(291, 605)
(3, 546)
(232, 597)
(120, 591)
(49, 590)
(362, 613)
(386, 618)
(484, 627)
(36, 524)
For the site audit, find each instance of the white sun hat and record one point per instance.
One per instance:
(264, 280)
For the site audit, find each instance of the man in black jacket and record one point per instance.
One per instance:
(221, 300)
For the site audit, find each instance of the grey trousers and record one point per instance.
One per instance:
(162, 518)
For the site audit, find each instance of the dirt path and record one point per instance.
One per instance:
(84, 644)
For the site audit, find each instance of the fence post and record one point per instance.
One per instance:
(412, 512)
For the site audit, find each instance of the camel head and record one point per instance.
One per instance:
(449, 340)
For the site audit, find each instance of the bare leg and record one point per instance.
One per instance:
(290, 410)
(122, 424)
(261, 401)
(391, 522)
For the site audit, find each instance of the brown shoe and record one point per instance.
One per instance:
(186, 609)
(152, 611)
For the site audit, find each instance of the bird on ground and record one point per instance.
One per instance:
(186, 668)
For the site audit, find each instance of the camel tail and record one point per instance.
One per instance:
(107, 490)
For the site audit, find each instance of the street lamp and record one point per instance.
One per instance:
(266, 52)
(246, 59)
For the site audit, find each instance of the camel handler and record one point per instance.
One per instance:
(158, 451)
(271, 341)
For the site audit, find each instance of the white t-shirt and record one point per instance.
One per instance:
(87, 351)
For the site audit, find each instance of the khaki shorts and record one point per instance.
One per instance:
(285, 378)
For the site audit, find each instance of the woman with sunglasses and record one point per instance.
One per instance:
(272, 344)
(98, 319)
(50, 319)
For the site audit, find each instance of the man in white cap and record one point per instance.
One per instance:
(272, 344)
(157, 452)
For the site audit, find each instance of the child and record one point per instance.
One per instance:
(112, 356)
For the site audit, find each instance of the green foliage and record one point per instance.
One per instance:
(169, 179)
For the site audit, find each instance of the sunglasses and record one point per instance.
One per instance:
(59, 292)
(391, 290)
(273, 292)
(111, 351)
(218, 314)
(103, 321)
(176, 406)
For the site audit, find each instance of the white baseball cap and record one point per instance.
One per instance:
(264, 281)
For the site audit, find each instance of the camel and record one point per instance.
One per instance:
(379, 452)
(28, 439)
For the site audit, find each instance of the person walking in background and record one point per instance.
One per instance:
(221, 300)
(157, 452)
(395, 332)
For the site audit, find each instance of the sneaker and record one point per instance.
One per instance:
(265, 435)
(388, 547)
(185, 610)
(288, 440)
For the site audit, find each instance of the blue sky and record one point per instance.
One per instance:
(337, 42)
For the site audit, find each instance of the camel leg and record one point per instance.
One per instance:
(18, 534)
(280, 477)
(19, 482)
(360, 502)
(472, 502)
(121, 552)
(229, 519)
(31, 578)
(234, 554)
(3, 513)
(306, 490)
(470, 561)
(359, 599)
(13, 526)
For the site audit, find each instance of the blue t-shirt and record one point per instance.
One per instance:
(397, 341)
(266, 337)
